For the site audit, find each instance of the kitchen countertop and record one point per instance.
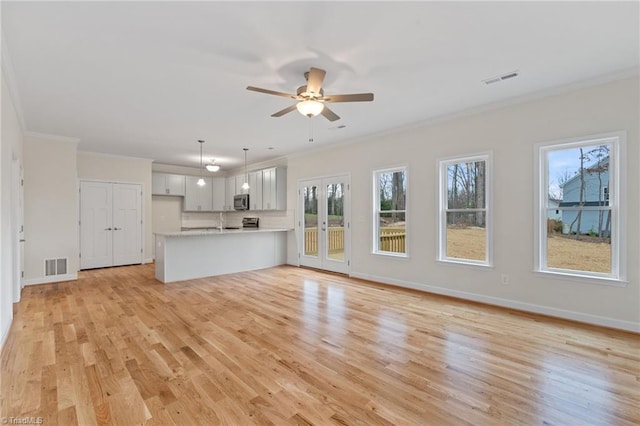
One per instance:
(216, 231)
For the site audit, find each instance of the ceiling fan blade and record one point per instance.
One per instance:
(271, 92)
(314, 80)
(284, 111)
(329, 115)
(355, 97)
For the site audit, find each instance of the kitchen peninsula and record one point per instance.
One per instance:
(199, 253)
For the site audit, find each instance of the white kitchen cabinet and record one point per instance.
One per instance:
(167, 184)
(230, 191)
(198, 198)
(218, 187)
(274, 188)
(240, 179)
(255, 190)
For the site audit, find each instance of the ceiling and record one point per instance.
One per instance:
(147, 79)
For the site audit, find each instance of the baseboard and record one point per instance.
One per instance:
(51, 279)
(149, 260)
(507, 303)
(5, 333)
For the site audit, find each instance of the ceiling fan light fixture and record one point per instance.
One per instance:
(310, 108)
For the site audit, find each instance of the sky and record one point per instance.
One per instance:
(565, 161)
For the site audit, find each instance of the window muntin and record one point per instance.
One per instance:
(390, 213)
(581, 180)
(465, 220)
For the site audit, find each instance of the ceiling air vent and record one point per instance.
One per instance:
(503, 77)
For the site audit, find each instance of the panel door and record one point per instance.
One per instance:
(127, 224)
(96, 240)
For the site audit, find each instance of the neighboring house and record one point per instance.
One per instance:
(554, 214)
(596, 193)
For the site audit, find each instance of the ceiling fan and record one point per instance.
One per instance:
(311, 97)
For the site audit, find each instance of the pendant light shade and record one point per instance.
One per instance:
(310, 108)
(212, 167)
(201, 181)
(245, 185)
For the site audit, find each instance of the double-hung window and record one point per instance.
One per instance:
(464, 210)
(582, 180)
(390, 211)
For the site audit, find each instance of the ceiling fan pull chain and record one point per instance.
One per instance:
(310, 129)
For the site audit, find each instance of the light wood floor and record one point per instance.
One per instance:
(294, 346)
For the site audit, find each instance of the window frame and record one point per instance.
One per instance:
(377, 211)
(443, 209)
(617, 194)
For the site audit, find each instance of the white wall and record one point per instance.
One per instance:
(50, 205)
(10, 150)
(122, 169)
(511, 133)
(166, 212)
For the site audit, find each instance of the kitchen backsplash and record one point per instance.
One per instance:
(268, 219)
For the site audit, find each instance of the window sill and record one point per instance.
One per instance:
(390, 254)
(465, 264)
(586, 279)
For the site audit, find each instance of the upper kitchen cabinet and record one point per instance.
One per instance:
(230, 191)
(274, 188)
(255, 190)
(218, 186)
(167, 184)
(198, 198)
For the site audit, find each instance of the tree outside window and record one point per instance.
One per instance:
(464, 214)
(390, 230)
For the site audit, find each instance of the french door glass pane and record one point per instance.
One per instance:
(310, 194)
(335, 221)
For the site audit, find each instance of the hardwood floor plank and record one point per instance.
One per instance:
(294, 346)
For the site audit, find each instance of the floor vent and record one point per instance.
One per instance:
(55, 266)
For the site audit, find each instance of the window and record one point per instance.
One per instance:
(583, 177)
(390, 198)
(465, 217)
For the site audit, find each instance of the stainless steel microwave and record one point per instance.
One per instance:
(241, 202)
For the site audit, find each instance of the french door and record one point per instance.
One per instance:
(324, 225)
(110, 224)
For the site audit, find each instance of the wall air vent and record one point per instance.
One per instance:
(503, 77)
(55, 266)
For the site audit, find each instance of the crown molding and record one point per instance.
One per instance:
(50, 137)
(121, 157)
(9, 77)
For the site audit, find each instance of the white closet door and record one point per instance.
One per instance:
(127, 224)
(96, 226)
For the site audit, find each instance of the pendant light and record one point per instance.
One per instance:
(201, 181)
(245, 185)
